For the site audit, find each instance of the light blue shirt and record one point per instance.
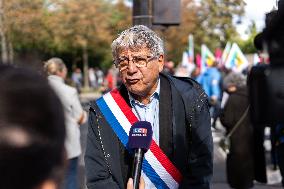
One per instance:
(148, 112)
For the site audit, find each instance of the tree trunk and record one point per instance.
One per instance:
(85, 67)
(11, 52)
(4, 50)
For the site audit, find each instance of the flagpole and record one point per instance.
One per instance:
(191, 48)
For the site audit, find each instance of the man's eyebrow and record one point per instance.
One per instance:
(138, 56)
(122, 57)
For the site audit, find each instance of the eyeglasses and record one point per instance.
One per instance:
(140, 62)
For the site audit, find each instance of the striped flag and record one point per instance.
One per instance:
(236, 59)
(225, 53)
(186, 63)
(207, 58)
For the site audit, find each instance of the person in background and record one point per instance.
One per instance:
(100, 77)
(210, 80)
(32, 131)
(77, 78)
(110, 81)
(92, 78)
(74, 116)
(177, 109)
(279, 137)
(242, 157)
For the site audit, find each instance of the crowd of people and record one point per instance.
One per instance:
(98, 80)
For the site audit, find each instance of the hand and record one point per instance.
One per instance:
(213, 101)
(141, 183)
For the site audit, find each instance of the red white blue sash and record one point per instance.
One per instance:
(156, 165)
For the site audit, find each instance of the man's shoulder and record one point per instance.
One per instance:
(191, 91)
(186, 85)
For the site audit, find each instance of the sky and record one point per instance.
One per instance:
(255, 10)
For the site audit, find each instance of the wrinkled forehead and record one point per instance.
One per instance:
(134, 51)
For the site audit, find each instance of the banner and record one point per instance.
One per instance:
(236, 60)
(185, 63)
(207, 58)
(225, 53)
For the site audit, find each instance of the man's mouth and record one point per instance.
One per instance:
(132, 81)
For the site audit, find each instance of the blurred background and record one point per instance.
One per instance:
(80, 31)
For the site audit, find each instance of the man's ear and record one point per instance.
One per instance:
(161, 62)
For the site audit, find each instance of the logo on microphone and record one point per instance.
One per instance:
(139, 132)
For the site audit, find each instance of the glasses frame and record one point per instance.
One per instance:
(147, 60)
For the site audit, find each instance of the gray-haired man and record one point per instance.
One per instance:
(181, 152)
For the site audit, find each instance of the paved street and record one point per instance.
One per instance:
(219, 177)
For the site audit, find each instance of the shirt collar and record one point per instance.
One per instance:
(156, 95)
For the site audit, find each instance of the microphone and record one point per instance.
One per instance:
(140, 137)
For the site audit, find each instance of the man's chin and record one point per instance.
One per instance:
(136, 90)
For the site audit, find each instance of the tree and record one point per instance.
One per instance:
(121, 18)
(4, 46)
(216, 21)
(81, 26)
(210, 22)
(176, 37)
(247, 46)
(21, 23)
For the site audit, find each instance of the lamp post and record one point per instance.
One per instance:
(142, 13)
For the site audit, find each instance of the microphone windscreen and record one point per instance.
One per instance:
(140, 135)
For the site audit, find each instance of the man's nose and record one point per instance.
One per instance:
(132, 68)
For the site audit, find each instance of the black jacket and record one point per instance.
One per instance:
(185, 137)
(245, 155)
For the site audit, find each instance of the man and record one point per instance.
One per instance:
(74, 116)
(32, 131)
(180, 155)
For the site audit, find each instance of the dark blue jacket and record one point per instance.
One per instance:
(185, 137)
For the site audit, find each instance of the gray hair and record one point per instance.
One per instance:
(53, 65)
(136, 37)
(234, 79)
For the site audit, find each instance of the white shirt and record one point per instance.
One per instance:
(150, 113)
(73, 112)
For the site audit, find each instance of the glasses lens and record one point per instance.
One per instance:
(140, 62)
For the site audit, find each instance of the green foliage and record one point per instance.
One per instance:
(210, 22)
(247, 46)
(65, 27)
(216, 21)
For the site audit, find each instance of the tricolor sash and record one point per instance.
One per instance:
(156, 165)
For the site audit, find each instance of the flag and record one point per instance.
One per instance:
(184, 61)
(207, 58)
(218, 55)
(198, 60)
(190, 48)
(186, 64)
(236, 59)
(256, 59)
(225, 53)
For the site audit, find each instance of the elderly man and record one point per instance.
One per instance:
(180, 155)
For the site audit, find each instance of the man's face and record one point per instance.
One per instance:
(140, 80)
